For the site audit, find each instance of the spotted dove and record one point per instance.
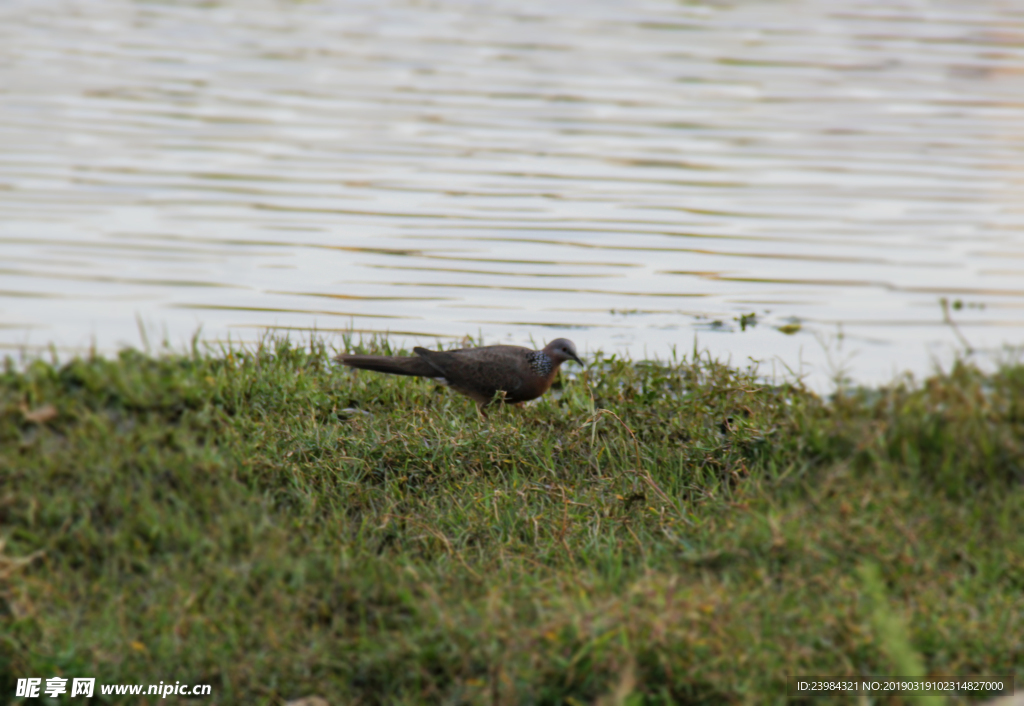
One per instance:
(479, 373)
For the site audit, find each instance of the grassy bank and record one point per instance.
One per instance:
(274, 526)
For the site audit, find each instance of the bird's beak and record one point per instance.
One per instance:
(576, 358)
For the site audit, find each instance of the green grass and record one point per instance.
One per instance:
(277, 527)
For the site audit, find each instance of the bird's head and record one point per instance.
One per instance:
(561, 350)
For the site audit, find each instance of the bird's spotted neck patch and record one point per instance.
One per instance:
(540, 363)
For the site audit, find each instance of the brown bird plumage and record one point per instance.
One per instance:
(479, 373)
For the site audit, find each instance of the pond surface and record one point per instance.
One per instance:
(631, 174)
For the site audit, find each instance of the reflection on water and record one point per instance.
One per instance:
(631, 173)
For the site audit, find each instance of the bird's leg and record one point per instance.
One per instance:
(499, 396)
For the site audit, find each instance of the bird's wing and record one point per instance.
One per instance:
(480, 372)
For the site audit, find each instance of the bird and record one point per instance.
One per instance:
(521, 374)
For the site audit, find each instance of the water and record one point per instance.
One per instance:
(630, 175)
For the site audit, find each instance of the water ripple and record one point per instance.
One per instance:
(515, 171)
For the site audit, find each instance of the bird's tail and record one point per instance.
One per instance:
(395, 365)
